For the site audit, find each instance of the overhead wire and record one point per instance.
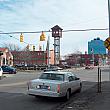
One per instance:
(32, 32)
(26, 32)
(23, 41)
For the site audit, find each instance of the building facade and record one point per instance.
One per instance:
(84, 60)
(6, 58)
(96, 46)
(32, 57)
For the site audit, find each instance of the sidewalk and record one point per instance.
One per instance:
(102, 100)
(89, 100)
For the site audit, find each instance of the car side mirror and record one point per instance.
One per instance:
(77, 78)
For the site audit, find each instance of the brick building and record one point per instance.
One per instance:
(32, 57)
(84, 59)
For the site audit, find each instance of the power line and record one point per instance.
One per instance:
(87, 30)
(18, 39)
(73, 30)
(82, 30)
(23, 41)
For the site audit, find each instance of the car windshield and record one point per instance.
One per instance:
(51, 76)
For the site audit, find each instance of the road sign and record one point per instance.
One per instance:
(107, 43)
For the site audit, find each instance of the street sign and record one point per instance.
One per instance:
(107, 43)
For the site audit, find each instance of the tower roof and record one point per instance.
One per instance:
(56, 27)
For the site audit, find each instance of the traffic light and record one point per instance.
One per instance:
(21, 38)
(33, 48)
(42, 37)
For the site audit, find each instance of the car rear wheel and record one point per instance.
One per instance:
(68, 93)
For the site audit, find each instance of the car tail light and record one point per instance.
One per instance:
(38, 87)
(58, 88)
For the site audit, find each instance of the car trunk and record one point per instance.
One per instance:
(43, 84)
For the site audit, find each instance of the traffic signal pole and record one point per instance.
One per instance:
(109, 27)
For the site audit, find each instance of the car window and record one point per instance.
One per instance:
(51, 76)
(71, 78)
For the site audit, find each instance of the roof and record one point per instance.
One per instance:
(58, 72)
(56, 27)
(3, 49)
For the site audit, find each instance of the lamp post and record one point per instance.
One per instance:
(92, 52)
(48, 50)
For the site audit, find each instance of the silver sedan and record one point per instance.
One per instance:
(55, 84)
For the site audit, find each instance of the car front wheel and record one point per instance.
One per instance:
(79, 90)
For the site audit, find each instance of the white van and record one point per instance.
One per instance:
(1, 72)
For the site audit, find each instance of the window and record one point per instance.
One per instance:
(71, 78)
(52, 76)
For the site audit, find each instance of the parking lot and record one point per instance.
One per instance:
(13, 90)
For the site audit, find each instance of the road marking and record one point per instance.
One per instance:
(13, 84)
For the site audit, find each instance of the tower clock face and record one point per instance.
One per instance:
(55, 33)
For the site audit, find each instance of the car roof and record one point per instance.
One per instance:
(58, 72)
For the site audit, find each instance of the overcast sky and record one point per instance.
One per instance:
(42, 15)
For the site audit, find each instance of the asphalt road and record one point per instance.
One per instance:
(13, 90)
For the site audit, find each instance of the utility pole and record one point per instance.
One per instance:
(48, 50)
(109, 27)
(109, 15)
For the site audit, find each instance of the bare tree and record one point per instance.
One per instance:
(11, 46)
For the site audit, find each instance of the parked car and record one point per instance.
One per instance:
(8, 69)
(50, 69)
(53, 68)
(89, 67)
(55, 84)
(1, 72)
